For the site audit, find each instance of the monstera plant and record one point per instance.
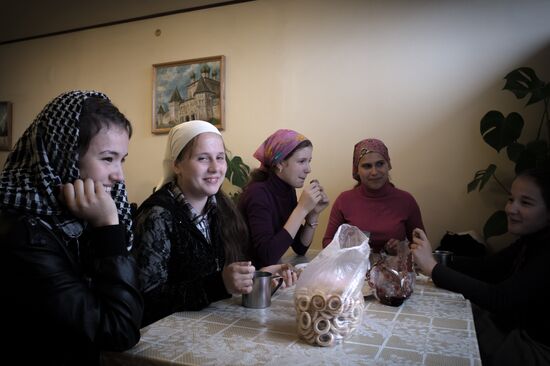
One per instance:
(503, 132)
(237, 174)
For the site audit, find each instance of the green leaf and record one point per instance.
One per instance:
(523, 81)
(472, 185)
(514, 150)
(237, 171)
(487, 175)
(481, 177)
(497, 224)
(499, 132)
(535, 154)
(539, 148)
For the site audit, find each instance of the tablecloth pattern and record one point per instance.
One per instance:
(432, 327)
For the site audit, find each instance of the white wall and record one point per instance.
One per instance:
(417, 74)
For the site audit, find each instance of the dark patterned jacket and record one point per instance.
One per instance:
(65, 300)
(179, 269)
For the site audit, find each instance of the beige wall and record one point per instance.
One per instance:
(417, 74)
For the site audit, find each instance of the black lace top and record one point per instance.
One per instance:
(179, 269)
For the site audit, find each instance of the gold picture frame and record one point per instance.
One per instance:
(5, 126)
(188, 90)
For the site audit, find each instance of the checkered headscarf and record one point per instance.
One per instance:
(45, 157)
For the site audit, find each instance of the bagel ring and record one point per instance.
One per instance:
(318, 302)
(325, 340)
(303, 302)
(321, 325)
(305, 320)
(335, 303)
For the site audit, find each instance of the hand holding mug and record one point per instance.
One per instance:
(237, 277)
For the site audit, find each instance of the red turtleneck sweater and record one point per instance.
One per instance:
(387, 213)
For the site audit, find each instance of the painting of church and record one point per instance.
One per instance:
(195, 94)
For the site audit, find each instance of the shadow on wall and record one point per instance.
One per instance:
(455, 210)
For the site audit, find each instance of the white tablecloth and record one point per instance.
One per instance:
(433, 327)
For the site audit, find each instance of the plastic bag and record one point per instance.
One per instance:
(328, 298)
(392, 278)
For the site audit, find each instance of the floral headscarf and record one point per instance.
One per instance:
(45, 157)
(364, 147)
(277, 147)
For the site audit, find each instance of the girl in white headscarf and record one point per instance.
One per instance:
(69, 286)
(191, 242)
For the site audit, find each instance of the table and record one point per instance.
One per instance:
(433, 327)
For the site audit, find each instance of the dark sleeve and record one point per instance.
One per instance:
(167, 299)
(507, 295)
(493, 268)
(269, 244)
(297, 245)
(104, 306)
(152, 251)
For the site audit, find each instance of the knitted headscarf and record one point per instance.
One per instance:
(277, 147)
(47, 156)
(364, 147)
(178, 138)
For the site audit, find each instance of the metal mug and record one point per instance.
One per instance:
(443, 257)
(260, 296)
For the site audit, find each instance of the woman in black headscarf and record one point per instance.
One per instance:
(70, 288)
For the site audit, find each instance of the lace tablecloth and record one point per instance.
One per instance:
(433, 327)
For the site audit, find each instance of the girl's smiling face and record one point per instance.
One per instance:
(201, 172)
(526, 210)
(106, 153)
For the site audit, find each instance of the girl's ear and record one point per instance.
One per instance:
(279, 167)
(175, 167)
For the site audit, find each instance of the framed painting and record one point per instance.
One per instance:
(5, 126)
(188, 90)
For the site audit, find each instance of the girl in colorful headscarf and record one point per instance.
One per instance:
(375, 205)
(191, 241)
(70, 288)
(276, 219)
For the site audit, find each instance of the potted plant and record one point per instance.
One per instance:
(500, 132)
(237, 174)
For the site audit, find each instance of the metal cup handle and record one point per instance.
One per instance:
(277, 287)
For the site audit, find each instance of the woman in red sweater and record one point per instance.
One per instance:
(375, 205)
